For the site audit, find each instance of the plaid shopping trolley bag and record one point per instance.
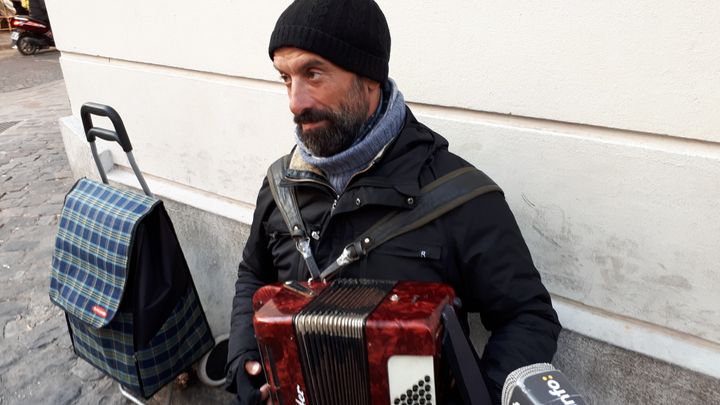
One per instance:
(120, 275)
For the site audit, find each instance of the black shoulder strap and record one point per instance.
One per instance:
(435, 199)
(287, 204)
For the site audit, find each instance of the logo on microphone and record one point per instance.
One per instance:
(557, 391)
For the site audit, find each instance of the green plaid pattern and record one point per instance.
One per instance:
(89, 266)
(182, 340)
(89, 272)
(110, 348)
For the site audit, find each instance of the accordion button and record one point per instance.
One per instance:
(403, 396)
(427, 378)
(397, 401)
(415, 388)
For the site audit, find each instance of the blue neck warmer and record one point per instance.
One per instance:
(382, 127)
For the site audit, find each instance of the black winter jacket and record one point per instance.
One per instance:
(476, 248)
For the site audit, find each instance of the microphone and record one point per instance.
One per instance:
(539, 384)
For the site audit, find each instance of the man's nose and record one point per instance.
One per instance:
(300, 98)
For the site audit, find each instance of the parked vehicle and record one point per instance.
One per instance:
(30, 35)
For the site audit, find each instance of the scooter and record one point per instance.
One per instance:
(30, 35)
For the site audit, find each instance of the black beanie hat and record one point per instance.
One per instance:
(352, 34)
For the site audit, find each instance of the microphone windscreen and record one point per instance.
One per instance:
(520, 374)
(539, 384)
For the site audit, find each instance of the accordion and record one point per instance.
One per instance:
(352, 341)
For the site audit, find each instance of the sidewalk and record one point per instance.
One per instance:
(37, 364)
(5, 39)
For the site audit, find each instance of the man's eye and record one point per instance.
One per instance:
(311, 74)
(285, 79)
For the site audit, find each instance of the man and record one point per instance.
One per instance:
(360, 155)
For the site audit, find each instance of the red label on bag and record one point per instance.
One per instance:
(99, 311)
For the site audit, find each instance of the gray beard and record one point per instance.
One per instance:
(331, 139)
(342, 127)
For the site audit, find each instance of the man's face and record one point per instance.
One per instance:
(329, 104)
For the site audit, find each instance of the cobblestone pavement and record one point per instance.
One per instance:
(37, 364)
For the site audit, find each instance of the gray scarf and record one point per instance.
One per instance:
(340, 167)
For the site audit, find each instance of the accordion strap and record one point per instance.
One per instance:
(435, 199)
(287, 204)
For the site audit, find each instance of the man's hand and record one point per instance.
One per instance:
(254, 369)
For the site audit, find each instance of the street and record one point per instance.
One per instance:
(20, 72)
(37, 363)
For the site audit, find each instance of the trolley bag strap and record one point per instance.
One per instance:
(288, 206)
(436, 199)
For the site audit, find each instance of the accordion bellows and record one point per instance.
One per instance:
(119, 274)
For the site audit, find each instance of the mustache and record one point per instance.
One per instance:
(311, 115)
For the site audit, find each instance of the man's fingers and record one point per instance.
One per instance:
(265, 394)
(253, 367)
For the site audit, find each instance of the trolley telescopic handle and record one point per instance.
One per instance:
(119, 135)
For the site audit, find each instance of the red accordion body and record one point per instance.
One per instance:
(351, 341)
